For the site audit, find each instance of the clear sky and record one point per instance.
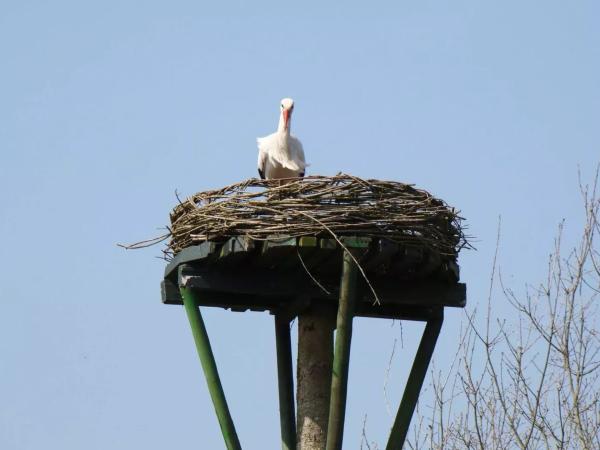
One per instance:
(107, 108)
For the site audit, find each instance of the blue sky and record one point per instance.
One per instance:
(107, 108)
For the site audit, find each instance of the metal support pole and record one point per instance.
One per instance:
(209, 366)
(287, 415)
(415, 382)
(341, 358)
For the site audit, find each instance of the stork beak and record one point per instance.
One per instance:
(286, 118)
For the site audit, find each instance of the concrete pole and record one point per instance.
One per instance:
(315, 358)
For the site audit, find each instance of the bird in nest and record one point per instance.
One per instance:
(280, 154)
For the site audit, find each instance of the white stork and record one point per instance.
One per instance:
(280, 155)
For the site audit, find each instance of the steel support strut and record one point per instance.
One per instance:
(209, 366)
(287, 415)
(415, 382)
(341, 357)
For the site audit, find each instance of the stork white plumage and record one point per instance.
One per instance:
(280, 155)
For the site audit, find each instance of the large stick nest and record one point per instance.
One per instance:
(335, 206)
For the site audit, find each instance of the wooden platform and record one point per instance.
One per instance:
(282, 275)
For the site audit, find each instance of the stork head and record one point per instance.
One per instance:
(287, 107)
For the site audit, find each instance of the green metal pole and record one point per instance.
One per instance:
(415, 382)
(287, 415)
(209, 366)
(341, 357)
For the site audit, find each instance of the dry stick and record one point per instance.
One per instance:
(377, 302)
(387, 379)
(364, 435)
(146, 243)
(310, 274)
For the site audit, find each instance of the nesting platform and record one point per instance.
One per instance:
(305, 248)
(285, 275)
